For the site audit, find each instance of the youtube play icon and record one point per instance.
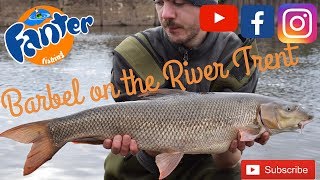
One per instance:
(218, 18)
(252, 170)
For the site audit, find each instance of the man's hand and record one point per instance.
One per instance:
(121, 145)
(237, 144)
(227, 159)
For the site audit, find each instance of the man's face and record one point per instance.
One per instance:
(180, 20)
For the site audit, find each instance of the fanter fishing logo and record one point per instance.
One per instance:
(44, 35)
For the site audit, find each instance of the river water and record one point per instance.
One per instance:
(90, 61)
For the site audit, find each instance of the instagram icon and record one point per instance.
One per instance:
(297, 23)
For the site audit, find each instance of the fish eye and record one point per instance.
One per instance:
(290, 108)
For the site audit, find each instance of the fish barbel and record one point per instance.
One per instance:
(175, 124)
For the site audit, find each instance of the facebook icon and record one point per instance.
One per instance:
(257, 21)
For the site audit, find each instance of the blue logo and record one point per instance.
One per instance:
(37, 17)
(257, 21)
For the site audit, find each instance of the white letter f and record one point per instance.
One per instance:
(257, 21)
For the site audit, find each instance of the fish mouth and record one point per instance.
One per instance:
(303, 123)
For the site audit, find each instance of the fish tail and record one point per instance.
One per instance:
(43, 147)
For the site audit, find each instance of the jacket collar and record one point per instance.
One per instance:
(207, 44)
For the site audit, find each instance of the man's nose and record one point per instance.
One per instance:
(168, 11)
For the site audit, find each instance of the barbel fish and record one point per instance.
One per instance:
(172, 122)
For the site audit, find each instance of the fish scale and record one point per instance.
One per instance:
(164, 123)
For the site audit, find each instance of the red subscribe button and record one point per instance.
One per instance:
(278, 169)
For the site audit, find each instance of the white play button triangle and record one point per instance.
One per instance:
(218, 17)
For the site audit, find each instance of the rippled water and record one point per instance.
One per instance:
(301, 84)
(90, 62)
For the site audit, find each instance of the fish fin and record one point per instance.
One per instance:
(249, 133)
(89, 140)
(161, 93)
(167, 162)
(43, 147)
(150, 95)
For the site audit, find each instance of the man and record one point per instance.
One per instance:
(180, 38)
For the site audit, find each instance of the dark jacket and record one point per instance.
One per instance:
(217, 47)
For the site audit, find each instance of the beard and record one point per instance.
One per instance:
(187, 33)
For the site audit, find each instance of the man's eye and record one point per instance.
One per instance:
(159, 3)
(179, 3)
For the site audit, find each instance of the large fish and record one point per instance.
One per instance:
(176, 124)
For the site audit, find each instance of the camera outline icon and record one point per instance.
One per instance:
(303, 21)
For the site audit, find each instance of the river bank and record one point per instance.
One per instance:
(117, 12)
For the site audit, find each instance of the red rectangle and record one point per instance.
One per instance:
(218, 18)
(278, 169)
